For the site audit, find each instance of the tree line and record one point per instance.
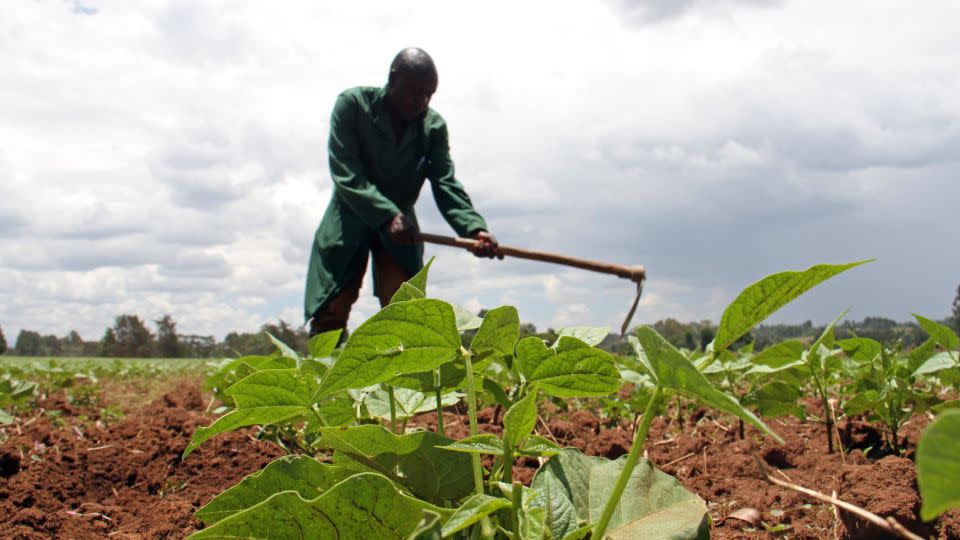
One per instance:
(129, 337)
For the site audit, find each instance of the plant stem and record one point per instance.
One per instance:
(393, 410)
(439, 408)
(487, 529)
(507, 461)
(639, 438)
(517, 499)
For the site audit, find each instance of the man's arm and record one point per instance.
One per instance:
(347, 169)
(452, 199)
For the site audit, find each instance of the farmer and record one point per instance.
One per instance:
(383, 143)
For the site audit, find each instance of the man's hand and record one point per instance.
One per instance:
(486, 245)
(402, 230)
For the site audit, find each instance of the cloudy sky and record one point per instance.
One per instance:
(169, 156)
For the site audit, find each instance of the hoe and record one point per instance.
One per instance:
(636, 274)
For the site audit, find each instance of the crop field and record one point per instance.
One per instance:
(432, 422)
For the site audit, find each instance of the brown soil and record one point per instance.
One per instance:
(74, 476)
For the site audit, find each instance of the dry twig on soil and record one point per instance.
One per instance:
(889, 524)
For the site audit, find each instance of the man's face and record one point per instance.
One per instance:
(410, 94)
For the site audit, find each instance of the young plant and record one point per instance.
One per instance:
(885, 387)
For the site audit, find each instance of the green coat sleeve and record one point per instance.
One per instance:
(346, 167)
(451, 198)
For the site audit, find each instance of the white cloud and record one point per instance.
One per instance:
(170, 156)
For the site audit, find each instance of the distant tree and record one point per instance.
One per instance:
(108, 345)
(29, 343)
(673, 331)
(50, 345)
(72, 344)
(197, 346)
(168, 343)
(956, 310)
(3, 342)
(242, 344)
(707, 333)
(133, 338)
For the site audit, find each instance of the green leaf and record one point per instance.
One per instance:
(283, 348)
(495, 390)
(484, 443)
(654, 504)
(465, 319)
(407, 337)
(574, 488)
(520, 419)
(337, 411)
(535, 445)
(429, 528)
(271, 396)
(239, 368)
(430, 471)
(861, 349)
(498, 334)
(673, 371)
(452, 375)
(408, 403)
(472, 511)
(5, 418)
(591, 335)
(572, 369)
(938, 469)
(419, 280)
(407, 292)
(322, 345)
(765, 297)
(303, 474)
(920, 354)
(936, 363)
(362, 507)
(562, 488)
(776, 399)
(946, 405)
(779, 355)
(939, 332)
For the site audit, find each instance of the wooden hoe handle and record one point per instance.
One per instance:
(636, 274)
(633, 273)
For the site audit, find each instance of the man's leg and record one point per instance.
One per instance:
(389, 275)
(334, 315)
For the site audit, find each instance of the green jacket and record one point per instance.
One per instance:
(375, 178)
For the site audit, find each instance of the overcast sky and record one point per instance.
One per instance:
(169, 156)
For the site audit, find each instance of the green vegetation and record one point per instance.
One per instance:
(421, 353)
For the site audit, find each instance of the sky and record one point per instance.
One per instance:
(169, 157)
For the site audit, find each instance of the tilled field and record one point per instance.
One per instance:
(70, 475)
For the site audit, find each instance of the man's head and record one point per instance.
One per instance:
(412, 82)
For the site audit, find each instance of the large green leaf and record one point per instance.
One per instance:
(406, 337)
(407, 292)
(322, 345)
(419, 280)
(239, 368)
(765, 297)
(776, 398)
(779, 355)
(571, 369)
(303, 474)
(362, 507)
(942, 334)
(407, 403)
(472, 511)
(562, 489)
(430, 471)
(270, 396)
(591, 335)
(573, 489)
(938, 469)
(673, 371)
(520, 419)
(861, 349)
(283, 348)
(937, 363)
(654, 504)
(498, 334)
(485, 443)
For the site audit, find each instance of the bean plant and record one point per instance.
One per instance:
(378, 479)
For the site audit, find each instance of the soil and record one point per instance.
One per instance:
(75, 475)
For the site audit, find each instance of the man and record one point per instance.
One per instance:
(383, 144)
